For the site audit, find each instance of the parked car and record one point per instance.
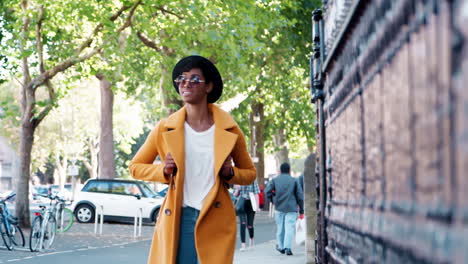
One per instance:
(120, 200)
(38, 190)
(65, 193)
(163, 192)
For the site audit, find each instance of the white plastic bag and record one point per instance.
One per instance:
(254, 201)
(300, 231)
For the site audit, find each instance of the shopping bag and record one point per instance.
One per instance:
(253, 200)
(300, 231)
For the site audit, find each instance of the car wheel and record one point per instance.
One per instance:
(84, 213)
(154, 217)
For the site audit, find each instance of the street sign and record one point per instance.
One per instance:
(73, 170)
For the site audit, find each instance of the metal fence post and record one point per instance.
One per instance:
(138, 220)
(99, 213)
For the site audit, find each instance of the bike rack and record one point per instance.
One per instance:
(99, 212)
(62, 213)
(138, 222)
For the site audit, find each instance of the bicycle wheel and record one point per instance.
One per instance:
(17, 235)
(5, 236)
(49, 232)
(64, 220)
(36, 234)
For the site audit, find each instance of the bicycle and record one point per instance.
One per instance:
(44, 226)
(63, 216)
(12, 234)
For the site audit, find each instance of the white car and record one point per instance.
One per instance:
(120, 200)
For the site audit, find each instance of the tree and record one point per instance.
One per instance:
(48, 44)
(276, 78)
(71, 131)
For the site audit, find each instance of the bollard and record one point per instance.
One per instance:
(138, 221)
(99, 212)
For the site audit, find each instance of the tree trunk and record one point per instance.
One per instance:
(61, 168)
(22, 186)
(106, 140)
(282, 155)
(257, 142)
(92, 166)
(166, 88)
(310, 197)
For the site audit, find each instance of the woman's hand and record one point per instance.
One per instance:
(226, 171)
(169, 165)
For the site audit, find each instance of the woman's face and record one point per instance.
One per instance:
(192, 87)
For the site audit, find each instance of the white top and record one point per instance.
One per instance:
(199, 165)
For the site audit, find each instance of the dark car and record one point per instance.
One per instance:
(39, 190)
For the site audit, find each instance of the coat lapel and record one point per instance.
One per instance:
(224, 142)
(174, 139)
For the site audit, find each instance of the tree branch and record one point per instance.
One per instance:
(99, 27)
(128, 21)
(86, 163)
(23, 41)
(39, 44)
(149, 43)
(45, 76)
(38, 119)
(40, 49)
(164, 11)
(49, 74)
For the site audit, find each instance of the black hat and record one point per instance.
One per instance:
(210, 72)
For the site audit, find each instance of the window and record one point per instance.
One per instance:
(96, 186)
(125, 188)
(148, 191)
(6, 166)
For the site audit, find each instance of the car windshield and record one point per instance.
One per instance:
(148, 191)
(41, 190)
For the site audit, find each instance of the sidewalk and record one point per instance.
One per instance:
(266, 253)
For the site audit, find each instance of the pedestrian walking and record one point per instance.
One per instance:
(197, 146)
(246, 218)
(287, 195)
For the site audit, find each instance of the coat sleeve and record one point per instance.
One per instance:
(142, 167)
(244, 169)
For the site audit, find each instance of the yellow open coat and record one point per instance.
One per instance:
(215, 231)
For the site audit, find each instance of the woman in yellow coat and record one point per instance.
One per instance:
(202, 150)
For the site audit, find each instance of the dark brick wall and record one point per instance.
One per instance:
(397, 134)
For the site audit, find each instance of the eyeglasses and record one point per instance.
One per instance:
(194, 80)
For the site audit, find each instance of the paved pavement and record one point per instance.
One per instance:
(81, 241)
(266, 253)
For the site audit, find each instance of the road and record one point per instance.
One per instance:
(115, 245)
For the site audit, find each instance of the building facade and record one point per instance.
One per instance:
(9, 166)
(391, 85)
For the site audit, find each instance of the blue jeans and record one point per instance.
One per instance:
(286, 227)
(187, 253)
